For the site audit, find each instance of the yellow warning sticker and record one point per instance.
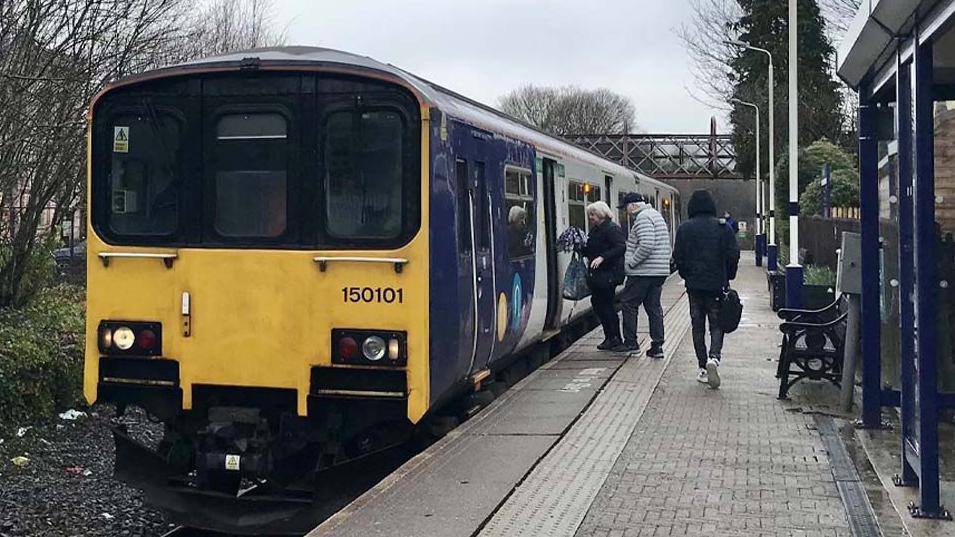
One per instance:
(120, 139)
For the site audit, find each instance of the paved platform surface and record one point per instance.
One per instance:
(727, 462)
(595, 445)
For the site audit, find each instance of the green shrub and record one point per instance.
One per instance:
(41, 356)
(819, 275)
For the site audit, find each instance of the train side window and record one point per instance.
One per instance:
(251, 177)
(622, 214)
(364, 164)
(144, 174)
(464, 206)
(519, 200)
(579, 195)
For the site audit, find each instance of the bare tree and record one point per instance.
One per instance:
(570, 110)
(229, 25)
(54, 56)
(839, 14)
(705, 37)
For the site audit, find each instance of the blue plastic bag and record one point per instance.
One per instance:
(575, 279)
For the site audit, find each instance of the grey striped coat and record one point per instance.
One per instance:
(648, 246)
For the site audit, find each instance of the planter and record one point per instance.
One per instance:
(816, 297)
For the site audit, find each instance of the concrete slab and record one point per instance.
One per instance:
(544, 411)
(883, 450)
(449, 491)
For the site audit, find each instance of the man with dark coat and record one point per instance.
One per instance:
(707, 257)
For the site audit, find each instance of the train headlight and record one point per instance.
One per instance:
(123, 338)
(373, 348)
(394, 349)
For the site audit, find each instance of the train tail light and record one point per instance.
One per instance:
(146, 339)
(347, 348)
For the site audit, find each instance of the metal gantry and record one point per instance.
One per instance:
(667, 156)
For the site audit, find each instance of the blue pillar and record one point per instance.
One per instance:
(772, 262)
(869, 208)
(794, 281)
(760, 246)
(906, 265)
(926, 281)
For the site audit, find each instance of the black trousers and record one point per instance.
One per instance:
(601, 298)
(645, 290)
(705, 308)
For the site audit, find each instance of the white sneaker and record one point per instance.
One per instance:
(701, 377)
(713, 373)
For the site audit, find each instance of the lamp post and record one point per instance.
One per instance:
(794, 275)
(771, 261)
(759, 180)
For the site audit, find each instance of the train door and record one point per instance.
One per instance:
(550, 239)
(484, 273)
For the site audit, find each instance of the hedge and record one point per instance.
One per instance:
(41, 356)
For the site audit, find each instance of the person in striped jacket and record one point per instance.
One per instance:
(647, 265)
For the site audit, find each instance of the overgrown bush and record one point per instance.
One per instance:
(819, 275)
(41, 356)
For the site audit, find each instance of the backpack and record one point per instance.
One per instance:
(731, 311)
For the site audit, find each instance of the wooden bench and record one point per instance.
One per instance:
(813, 345)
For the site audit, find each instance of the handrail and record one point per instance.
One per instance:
(398, 262)
(167, 259)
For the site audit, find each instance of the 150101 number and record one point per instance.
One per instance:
(381, 295)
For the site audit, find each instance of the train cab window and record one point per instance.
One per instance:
(519, 199)
(251, 160)
(144, 174)
(363, 156)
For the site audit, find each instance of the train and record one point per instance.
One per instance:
(297, 255)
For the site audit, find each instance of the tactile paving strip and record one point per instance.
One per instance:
(554, 498)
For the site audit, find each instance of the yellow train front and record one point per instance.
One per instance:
(296, 254)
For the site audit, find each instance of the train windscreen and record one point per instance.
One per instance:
(281, 161)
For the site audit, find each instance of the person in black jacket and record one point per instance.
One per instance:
(707, 257)
(606, 245)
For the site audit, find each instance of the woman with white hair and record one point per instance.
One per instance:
(606, 245)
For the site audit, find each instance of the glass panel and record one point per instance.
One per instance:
(464, 207)
(251, 126)
(520, 214)
(481, 216)
(144, 173)
(363, 174)
(250, 176)
(945, 253)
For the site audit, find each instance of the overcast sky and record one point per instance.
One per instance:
(484, 48)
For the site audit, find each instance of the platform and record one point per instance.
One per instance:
(593, 444)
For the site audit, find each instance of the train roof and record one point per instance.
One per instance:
(455, 105)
